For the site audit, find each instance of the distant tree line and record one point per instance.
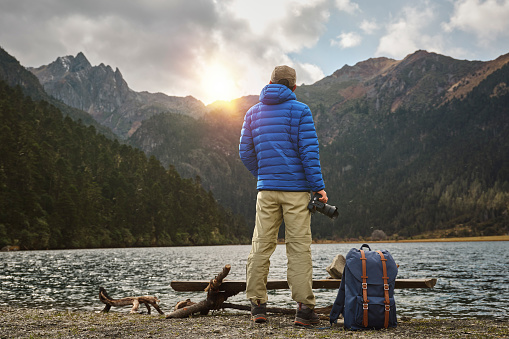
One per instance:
(63, 185)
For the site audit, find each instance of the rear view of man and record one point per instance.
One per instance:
(279, 146)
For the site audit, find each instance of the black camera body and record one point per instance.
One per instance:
(317, 205)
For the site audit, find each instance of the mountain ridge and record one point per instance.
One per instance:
(397, 153)
(379, 123)
(65, 186)
(104, 94)
(15, 74)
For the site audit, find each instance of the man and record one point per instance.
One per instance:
(279, 146)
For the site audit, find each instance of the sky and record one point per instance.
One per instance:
(222, 50)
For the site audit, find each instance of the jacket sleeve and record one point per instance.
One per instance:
(246, 147)
(309, 151)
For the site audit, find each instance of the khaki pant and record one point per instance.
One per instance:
(271, 208)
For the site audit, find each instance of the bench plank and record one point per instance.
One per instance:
(240, 285)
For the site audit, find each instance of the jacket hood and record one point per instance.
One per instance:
(274, 94)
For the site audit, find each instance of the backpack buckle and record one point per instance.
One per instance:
(386, 287)
(387, 307)
(364, 306)
(364, 286)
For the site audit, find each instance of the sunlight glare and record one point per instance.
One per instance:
(218, 83)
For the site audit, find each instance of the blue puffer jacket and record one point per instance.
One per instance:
(278, 143)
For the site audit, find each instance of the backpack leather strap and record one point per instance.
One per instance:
(364, 290)
(386, 289)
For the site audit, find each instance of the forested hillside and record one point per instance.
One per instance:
(418, 170)
(63, 185)
(407, 147)
(206, 148)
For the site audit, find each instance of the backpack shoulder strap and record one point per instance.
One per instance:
(364, 290)
(386, 289)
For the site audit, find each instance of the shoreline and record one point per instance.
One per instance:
(315, 241)
(453, 239)
(39, 323)
(17, 322)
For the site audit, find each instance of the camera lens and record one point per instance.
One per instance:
(330, 211)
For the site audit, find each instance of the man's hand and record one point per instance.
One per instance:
(324, 198)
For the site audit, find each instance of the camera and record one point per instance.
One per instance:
(317, 205)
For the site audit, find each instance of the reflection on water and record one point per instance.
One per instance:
(472, 276)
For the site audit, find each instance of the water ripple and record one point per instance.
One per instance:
(472, 277)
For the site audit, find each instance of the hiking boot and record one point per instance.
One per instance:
(305, 316)
(258, 312)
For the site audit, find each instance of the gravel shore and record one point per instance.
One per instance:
(38, 323)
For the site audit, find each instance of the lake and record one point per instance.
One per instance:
(472, 276)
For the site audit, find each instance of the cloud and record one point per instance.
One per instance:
(347, 6)
(407, 33)
(267, 38)
(170, 46)
(303, 26)
(308, 73)
(153, 43)
(369, 27)
(347, 40)
(486, 19)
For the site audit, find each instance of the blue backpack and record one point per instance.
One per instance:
(366, 294)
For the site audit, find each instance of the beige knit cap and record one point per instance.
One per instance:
(284, 72)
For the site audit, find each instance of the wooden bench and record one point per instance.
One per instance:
(237, 286)
(219, 289)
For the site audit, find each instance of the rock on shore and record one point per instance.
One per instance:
(38, 323)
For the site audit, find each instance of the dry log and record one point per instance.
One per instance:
(214, 300)
(182, 304)
(218, 280)
(203, 307)
(135, 301)
(216, 297)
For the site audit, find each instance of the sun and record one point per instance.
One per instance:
(218, 83)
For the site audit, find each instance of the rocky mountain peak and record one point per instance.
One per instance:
(419, 54)
(80, 62)
(65, 64)
(361, 71)
(103, 92)
(73, 80)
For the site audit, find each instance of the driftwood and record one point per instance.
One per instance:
(135, 301)
(214, 300)
(216, 297)
(182, 304)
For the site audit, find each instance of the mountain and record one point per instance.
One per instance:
(63, 185)
(14, 74)
(415, 145)
(421, 81)
(104, 94)
(407, 146)
(205, 149)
